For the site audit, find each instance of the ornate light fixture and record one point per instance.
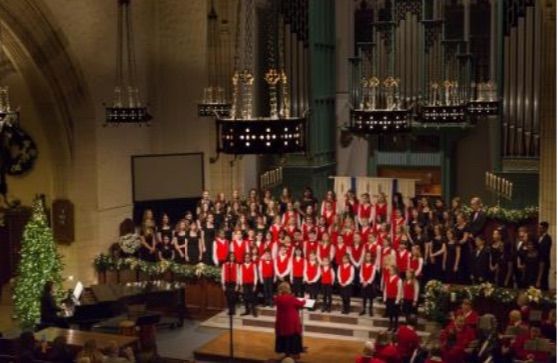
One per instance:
(215, 94)
(8, 116)
(379, 107)
(242, 132)
(127, 106)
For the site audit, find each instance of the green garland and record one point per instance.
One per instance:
(105, 263)
(438, 297)
(39, 263)
(508, 215)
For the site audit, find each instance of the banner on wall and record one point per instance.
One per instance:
(373, 186)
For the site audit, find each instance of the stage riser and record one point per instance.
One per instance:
(322, 324)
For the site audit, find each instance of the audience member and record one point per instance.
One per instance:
(385, 349)
(59, 351)
(407, 339)
(454, 339)
(367, 355)
(27, 347)
(91, 352)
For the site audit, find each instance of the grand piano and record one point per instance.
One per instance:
(104, 305)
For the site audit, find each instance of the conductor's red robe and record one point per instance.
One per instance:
(287, 320)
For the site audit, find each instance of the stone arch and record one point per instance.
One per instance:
(40, 52)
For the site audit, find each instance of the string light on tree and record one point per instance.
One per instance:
(39, 263)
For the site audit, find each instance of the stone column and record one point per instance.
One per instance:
(547, 166)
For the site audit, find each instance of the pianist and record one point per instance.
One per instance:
(50, 311)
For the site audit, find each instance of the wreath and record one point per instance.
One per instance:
(21, 152)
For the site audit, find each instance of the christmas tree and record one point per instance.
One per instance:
(39, 262)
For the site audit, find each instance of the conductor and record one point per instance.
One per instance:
(288, 328)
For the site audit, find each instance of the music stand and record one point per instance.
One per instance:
(308, 304)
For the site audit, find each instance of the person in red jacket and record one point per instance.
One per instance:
(454, 339)
(402, 260)
(325, 249)
(312, 273)
(410, 294)
(341, 250)
(470, 316)
(367, 276)
(407, 339)
(346, 276)
(381, 208)
(385, 349)
(365, 210)
(229, 281)
(248, 279)
(522, 351)
(282, 264)
(327, 280)
(276, 229)
(239, 246)
(311, 244)
(267, 277)
(368, 354)
(356, 251)
(297, 272)
(288, 328)
(221, 249)
(392, 296)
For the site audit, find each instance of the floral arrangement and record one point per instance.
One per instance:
(436, 301)
(129, 243)
(105, 262)
(438, 297)
(534, 295)
(508, 215)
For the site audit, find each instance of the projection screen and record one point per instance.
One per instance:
(167, 176)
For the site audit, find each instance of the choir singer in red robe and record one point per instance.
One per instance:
(288, 328)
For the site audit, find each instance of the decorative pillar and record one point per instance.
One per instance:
(493, 39)
(547, 162)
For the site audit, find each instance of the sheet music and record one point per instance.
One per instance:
(308, 303)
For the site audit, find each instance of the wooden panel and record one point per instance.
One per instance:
(127, 276)
(194, 295)
(215, 296)
(63, 220)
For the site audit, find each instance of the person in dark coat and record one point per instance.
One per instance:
(480, 264)
(545, 247)
(49, 308)
(288, 328)
(477, 218)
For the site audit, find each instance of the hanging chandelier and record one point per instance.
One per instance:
(214, 94)
(242, 132)
(411, 69)
(127, 106)
(8, 116)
